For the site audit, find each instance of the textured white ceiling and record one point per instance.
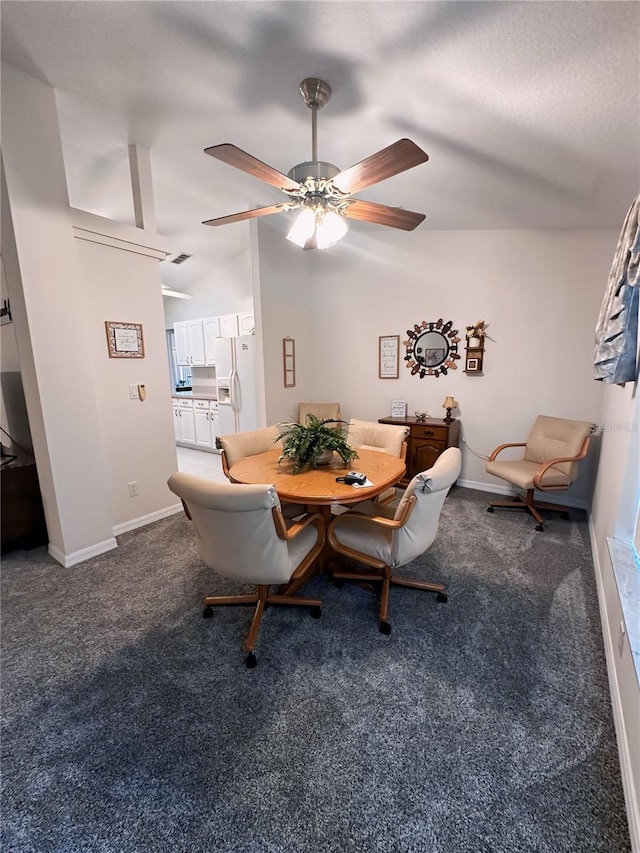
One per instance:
(529, 111)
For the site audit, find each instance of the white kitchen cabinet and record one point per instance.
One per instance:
(189, 336)
(195, 422)
(202, 423)
(196, 343)
(177, 429)
(183, 350)
(187, 424)
(211, 329)
(246, 323)
(229, 326)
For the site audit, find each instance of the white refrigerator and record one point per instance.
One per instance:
(236, 373)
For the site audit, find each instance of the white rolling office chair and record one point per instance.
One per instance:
(242, 534)
(370, 435)
(385, 538)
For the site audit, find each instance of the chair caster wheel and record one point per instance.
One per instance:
(491, 509)
(207, 613)
(250, 660)
(566, 516)
(338, 583)
(442, 597)
(385, 628)
(539, 528)
(316, 612)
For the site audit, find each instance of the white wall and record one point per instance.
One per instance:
(539, 291)
(46, 295)
(226, 290)
(285, 310)
(136, 436)
(90, 440)
(612, 509)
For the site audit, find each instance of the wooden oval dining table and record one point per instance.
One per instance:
(316, 488)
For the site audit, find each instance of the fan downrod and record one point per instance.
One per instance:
(316, 92)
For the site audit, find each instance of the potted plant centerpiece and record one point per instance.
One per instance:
(312, 443)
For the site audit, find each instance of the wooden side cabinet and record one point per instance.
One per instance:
(426, 441)
(23, 524)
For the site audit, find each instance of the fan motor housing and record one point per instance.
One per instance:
(319, 170)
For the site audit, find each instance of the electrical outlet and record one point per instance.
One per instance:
(133, 392)
(133, 489)
(621, 633)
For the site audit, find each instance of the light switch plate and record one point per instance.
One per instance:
(133, 392)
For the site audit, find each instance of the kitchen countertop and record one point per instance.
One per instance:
(194, 395)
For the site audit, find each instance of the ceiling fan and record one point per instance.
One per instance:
(320, 189)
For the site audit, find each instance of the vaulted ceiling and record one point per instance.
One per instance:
(529, 111)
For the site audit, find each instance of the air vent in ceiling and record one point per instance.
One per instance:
(180, 259)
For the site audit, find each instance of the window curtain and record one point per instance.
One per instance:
(617, 328)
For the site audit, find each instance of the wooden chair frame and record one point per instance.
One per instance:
(262, 596)
(384, 573)
(526, 501)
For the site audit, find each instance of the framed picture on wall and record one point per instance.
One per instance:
(388, 350)
(473, 365)
(289, 362)
(124, 340)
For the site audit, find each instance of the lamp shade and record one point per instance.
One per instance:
(449, 403)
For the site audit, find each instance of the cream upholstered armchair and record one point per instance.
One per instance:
(388, 438)
(239, 445)
(322, 411)
(549, 464)
(241, 534)
(385, 539)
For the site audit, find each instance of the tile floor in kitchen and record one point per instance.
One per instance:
(200, 463)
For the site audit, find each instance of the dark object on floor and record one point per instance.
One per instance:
(23, 524)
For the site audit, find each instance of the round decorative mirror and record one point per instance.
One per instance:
(432, 348)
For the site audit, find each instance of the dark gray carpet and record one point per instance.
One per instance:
(131, 724)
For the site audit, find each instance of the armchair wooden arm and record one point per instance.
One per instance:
(291, 532)
(503, 447)
(537, 477)
(393, 523)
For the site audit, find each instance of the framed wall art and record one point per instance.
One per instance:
(388, 352)
(124, 340)
(289, 362)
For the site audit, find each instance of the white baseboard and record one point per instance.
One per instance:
(499, 489)
(143, 520)
(630, 794)
(68, 560)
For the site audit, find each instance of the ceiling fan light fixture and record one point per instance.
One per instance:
(303, 228)
(330, 229)
(321, 189)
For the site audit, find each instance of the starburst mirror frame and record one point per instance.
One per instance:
(432, 348)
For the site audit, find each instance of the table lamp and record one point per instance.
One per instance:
(449, 403)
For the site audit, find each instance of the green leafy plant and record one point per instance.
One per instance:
(304, 443)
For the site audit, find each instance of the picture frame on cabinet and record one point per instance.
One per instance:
(124, 340)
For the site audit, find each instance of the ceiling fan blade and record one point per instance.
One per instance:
(250, 214)
(382, 214)
(235, 156)
(402, 155)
